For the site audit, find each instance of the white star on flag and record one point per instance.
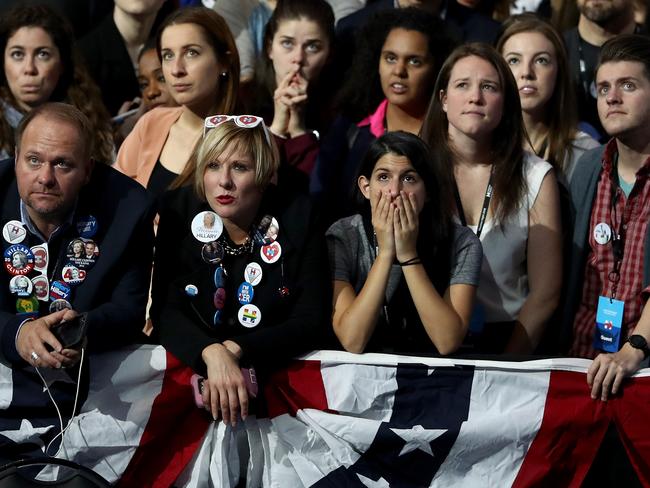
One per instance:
(418, 438)
(27, 433)
(380, 483)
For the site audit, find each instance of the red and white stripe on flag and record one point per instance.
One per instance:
(338, 419)
(531, 423)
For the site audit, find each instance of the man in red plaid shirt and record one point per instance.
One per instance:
(609, 275)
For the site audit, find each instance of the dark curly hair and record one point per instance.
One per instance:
(362, 92)
(75, 85)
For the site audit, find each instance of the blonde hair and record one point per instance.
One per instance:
(228, 137)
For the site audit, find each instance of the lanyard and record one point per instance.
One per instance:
(484, 210)
(618, 237)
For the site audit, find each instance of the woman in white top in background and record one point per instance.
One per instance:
(507, 196)
(535, 52)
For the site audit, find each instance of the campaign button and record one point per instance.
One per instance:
(21, 286)
(14, 232)
(253, 273)
(82, 253)
(602, 233)
(271, 253)
(249, 315)
(58, 305)
(219, 298)
(191, 290)
(40, 257)
(220, 276)
(27, 305)
(59, 290)
(218, 317)
(19, 260)
(87, 227)
(212, 252)
(245, 293)
(207, 226)
(267, 231)
(73, 275)
(41, 287)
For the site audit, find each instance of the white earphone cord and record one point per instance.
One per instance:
(58, 411)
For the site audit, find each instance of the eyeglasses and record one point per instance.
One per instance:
(244, 121)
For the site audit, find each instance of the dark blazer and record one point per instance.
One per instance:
(115, 290)
(289, 326)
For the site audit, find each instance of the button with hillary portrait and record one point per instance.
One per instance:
(73, 275)
(267, 231)
(19, 260)
(206, 226)
(212, 252)
(82, 253)
(21, 286)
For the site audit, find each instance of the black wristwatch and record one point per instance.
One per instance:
(638, 342)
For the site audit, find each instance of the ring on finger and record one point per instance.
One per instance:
(34, 356)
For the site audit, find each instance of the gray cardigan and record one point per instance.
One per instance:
(583, 192)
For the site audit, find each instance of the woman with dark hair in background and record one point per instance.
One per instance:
(388, 88)
(201, 68)
(537, 58)
(291, 91)
(40, 65)
(153, 89)
(507, 196)
(404, 275)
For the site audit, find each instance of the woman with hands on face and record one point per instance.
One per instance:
(290, 90)
(404, 276)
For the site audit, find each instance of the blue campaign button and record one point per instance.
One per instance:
(220, 277)
(191, 290)
(59, 290)
(245, 293)
(218, 316)
(87, 226)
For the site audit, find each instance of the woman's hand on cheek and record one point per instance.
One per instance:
(406, 226)
(382, 223)
(224, 389)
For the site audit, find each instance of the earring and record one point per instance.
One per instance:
(223, 74)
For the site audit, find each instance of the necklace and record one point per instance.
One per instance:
(238, 249)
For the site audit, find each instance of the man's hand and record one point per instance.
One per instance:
(608, 371)
(35, 334)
